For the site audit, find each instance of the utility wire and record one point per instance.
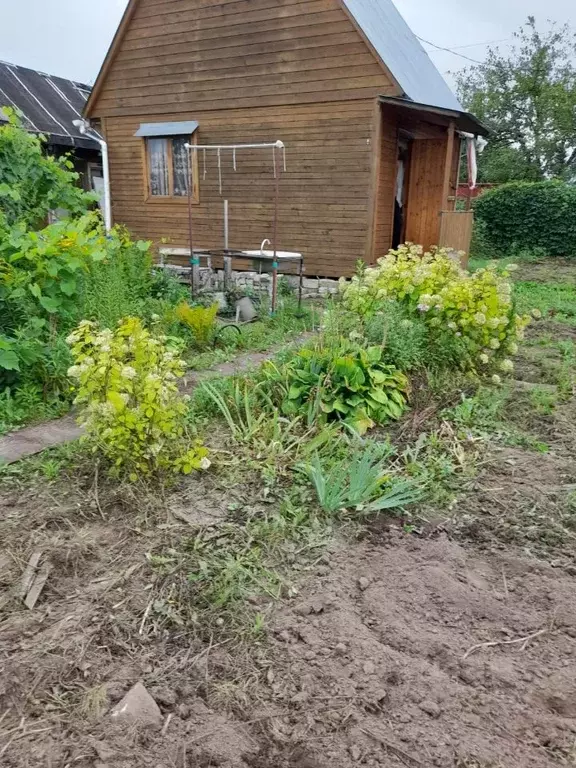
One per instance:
(449, 50)
(475, 45)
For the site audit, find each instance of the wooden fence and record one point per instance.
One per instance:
(456, 230)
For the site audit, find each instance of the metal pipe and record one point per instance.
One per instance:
(277, 144)
(275, 235)
(85, 128)
(194, 263)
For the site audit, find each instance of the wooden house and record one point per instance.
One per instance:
(372, 130)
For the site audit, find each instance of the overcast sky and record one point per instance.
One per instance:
(70, 37)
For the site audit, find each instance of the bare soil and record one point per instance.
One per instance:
(452, 647)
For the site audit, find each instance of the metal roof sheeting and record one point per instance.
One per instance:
(186, 128)
(401, 52)
(47, 104)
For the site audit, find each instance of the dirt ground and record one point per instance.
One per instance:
(451, 645)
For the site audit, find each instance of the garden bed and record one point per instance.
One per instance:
(444, 635)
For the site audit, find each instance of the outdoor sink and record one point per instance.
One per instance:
(267, 254)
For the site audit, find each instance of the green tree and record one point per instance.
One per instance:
(528, 99)
(33, 183)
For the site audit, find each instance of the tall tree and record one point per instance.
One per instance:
(528, 98)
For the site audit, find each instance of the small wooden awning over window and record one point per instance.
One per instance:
(147, 130)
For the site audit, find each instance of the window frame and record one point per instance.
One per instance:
(170, 198)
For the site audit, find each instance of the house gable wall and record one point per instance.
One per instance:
(250, 70)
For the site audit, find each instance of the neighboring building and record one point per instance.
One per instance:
(370, 126)
(48, 105)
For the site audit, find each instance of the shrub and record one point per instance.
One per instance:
(470, 316)
(525, 215)
(345, 383)
(32, 183)
(40, 272)
(409, 343)
(200, 320)
(126, 383)
(118, 285)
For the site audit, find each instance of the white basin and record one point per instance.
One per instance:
(279, 254)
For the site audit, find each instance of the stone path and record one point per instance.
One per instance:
(32, 440)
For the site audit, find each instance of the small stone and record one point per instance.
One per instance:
(300, 698)
(199, 708)
(363, 583)
(138, 706)
(183, 711)
(165, 696)
(104, 750)
(341, 648)
(285, 636)
(369, 667)
(115, 690)
(355, 752)
(404, 717)
(430, 707)
(468, 675)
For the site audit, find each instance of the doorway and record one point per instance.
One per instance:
(401, 192)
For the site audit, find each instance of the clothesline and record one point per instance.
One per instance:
(269, 145)
(233, 147)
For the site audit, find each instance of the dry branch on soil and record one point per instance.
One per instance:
(493, 643)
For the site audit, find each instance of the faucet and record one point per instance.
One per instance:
(263, 244)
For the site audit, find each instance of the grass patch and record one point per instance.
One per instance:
(556, 300)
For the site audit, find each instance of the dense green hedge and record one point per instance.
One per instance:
(525, 215)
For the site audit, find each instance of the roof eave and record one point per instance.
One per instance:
(465, 121)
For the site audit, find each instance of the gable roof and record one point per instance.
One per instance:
(47, 104)
(387, 33)
(399, 48)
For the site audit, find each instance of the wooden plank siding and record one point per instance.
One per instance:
(325, 192)
(237, 54)
(426, 190)
(388, 165)
(251, 71)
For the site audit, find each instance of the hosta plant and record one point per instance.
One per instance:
(346, 383)
(126, 383)
(477, 308)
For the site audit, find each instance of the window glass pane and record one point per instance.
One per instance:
(158, 166)
(180, 160)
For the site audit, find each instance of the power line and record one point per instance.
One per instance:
(475, 45)
(449, 50)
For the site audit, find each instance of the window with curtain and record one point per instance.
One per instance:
(169, 171)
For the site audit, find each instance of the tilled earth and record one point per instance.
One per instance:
(452, 647)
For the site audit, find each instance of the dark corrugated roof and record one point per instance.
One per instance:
(47, 104)
(400, 50)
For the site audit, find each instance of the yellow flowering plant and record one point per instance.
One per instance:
(200, 320)
(477, 308)
(126, 383)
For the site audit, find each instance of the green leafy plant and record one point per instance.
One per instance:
(524, 215)
(200, 320)
(477, 310)
(33, 183)
(40, 272)
(120, 284)
(345, 383)
(126, 385)
(361, 482)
